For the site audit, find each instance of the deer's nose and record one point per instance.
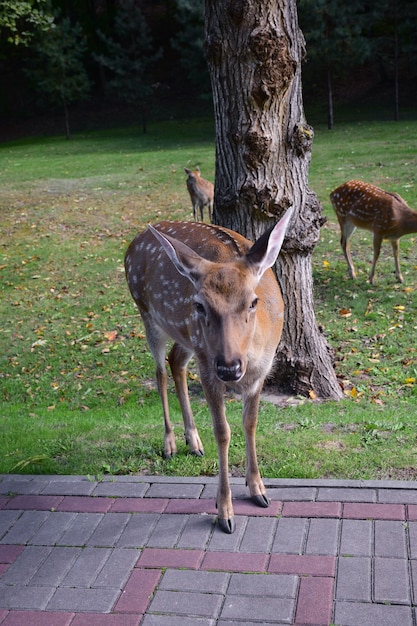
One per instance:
(229, 372)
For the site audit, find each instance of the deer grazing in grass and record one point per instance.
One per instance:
(222, 304)
(386, 215)
(201, 193)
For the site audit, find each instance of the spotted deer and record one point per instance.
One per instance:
(201, 193)
(222, 304)
(385, 214)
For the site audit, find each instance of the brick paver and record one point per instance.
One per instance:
(146, 551)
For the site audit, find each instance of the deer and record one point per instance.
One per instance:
(222, 304)
(361, 205)
(201, 193)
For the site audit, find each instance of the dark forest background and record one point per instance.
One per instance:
(70, 65)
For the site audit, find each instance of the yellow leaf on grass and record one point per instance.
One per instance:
(410, 381)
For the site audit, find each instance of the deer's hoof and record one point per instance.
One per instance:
(227, 525)
(197, 452)
(261, 500)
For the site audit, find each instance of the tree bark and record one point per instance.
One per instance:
(254, 50)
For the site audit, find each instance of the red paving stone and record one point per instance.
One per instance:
(34, 503)
(315, 601)
(412, 512)
(138, 591)
(85, 504)
(191, 506)
(362, 510)
(235, 562)
(141, 505)
(159, 557)
(302, 564)
(37, 618)
(8, 553)
(312, 509)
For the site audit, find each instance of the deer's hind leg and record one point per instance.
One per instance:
(178, 359)
(157, 341)
(347, 230)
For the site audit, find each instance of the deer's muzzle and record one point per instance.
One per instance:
(229, 372)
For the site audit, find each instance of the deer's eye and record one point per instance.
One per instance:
(199, 308)
(254, 304)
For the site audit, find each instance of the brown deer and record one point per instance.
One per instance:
(222, 304)
(201, 193)
(386, 215)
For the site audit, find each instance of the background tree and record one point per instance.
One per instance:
(57, 69)
(254, 50)
(21, 20)
(130, 57)
(336, 34)
(188, 41)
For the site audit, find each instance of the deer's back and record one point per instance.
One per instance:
(369, 207)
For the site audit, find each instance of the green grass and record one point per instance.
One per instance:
(77, 381)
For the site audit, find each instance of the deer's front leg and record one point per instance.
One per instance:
(253, 478)
(214, 393)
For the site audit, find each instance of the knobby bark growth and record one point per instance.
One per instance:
(254, 50)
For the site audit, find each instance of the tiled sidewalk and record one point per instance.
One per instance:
(145, 550)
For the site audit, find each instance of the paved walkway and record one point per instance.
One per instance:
(145, 550)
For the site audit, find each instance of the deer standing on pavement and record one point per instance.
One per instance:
(386, 215)
(222, 304)
(201, 193)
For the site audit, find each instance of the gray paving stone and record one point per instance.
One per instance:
(80, 529)
(69, 487)
(277, 585)
(390, 539)
(356, 538)
(175, 490)
(397, 496)
(109, 530)
(26, 565)
(137, 531)
(7, 519)
(196, 532)
(328, 494)
(83, 600)
(55, 566)
(291, 535)
(121, 489)
(86, 568)
(323, 536)
(412, 532)
(117, 568)
(22, 597)
(414, 581)
(25, 527)
(362, 614)
(354, 579)
(246, 608)
(186, 603)
(167, 531)
(230, 543)
(293, 494)
(391, 580)
(259, 534)
(171, 620)
(52, 529)
(201, 581)
(20, 485)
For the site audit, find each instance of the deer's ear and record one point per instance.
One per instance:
(188, 263)
(265, 250)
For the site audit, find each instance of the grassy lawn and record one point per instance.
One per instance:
(77, 381)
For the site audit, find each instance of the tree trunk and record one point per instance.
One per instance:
(254, 50)
(330, 114)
